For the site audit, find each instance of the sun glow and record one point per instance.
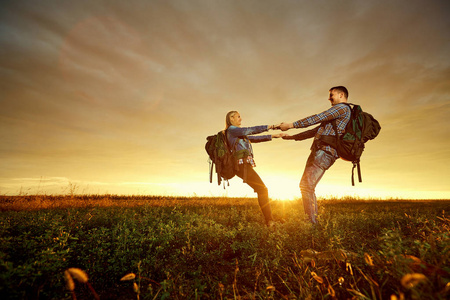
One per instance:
(283, 187)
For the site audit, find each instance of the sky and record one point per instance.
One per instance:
(118, 97)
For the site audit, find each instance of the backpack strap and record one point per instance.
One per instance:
(337, 135)
(359, 172)
(353, 174)
(219, 179)
(358, 168)
(233, 150)
(355, 163)
(211, 164)
(245, 171)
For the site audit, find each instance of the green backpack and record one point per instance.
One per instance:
(361, 128)
(220, 155)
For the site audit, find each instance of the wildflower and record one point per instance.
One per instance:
(331, 291)
(69, 281)
(317, 278)
(400, 297)
(270, 288)
(129, 276)
(78, 274)
(368, 259)
(349, 269)
(411, 280)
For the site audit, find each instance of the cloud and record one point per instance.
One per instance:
(129, 91)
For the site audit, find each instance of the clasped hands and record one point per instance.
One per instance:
(283, 127)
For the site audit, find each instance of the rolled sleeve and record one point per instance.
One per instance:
(242, 131)
(260, 138)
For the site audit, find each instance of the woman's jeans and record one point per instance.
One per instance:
(318, 162)
(254, 181)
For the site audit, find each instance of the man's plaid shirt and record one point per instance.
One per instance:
(340, 112)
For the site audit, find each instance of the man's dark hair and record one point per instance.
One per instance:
(341, 89)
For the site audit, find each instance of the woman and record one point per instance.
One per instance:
(240, 139)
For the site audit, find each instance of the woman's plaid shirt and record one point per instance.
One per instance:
(340, 112)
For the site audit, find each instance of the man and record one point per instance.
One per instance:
(322, 155)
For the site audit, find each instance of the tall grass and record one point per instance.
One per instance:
(218, 248)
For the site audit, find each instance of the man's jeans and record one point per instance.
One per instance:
(318, 162)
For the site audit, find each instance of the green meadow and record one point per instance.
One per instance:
(136, 247)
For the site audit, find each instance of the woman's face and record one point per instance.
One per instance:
(236, 119)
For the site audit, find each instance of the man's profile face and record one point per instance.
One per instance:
(334, 97)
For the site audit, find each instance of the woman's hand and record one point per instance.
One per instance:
(273, 127)
(278, 135)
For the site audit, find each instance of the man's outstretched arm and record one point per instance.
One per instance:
(332, 113)
(302, 135)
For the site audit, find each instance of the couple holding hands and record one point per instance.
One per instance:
(322, 155)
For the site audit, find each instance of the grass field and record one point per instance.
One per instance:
(80, 247)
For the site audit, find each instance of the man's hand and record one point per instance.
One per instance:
(286, 126)
(288, 137)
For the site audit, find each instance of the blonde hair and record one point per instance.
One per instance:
(228, 118)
